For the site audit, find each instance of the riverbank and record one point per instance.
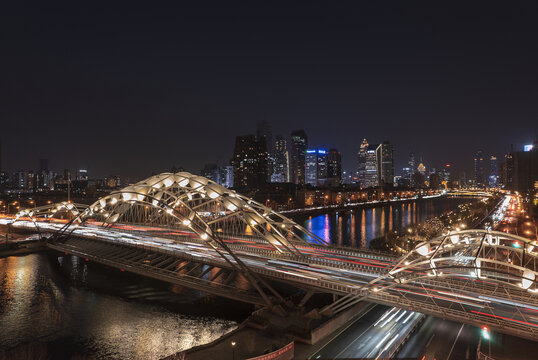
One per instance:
(362, 204)
(264, 333)
(471, 215)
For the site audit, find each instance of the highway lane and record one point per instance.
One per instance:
(441, 340)
(371, 336)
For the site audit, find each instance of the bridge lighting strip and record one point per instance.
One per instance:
(530, 307)
(505, 318)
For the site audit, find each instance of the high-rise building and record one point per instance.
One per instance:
(371, 178)
(334, 168)
(281, 167)
(264, 134)
(249, 162)
(361, 171)
(211, 171)
(479, 169)
(385, 164)
(411, 162)
(299, 144)
(226, 176)
(493, 178)
(20, 180)
(316, 167)
(410, 169)
(508, 173)
(82, 174)
(421, 168)
(525, 169)
(43, 165)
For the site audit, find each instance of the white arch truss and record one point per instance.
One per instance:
(481, 254)
(190, 203)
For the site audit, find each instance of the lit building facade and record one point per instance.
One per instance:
(361, 171)
(299, 145)
(479, 169)
(281, 168)
(334, 168)
(385, 164)
(493, 178)
(249, 162)
(370, 167)
(316, 167)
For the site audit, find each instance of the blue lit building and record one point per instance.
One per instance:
(316, 167)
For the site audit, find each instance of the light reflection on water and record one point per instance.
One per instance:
(357, 227)
(38, 305)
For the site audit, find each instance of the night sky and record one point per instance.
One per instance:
(135, 88)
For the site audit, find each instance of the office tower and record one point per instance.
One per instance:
(334, 168)
(361, 171)
(421, 168)
(82, 174)
(211, 171)
(299, 144)
(226, 176)
(370, 175)
(385, 164)
(493, 178)
(249, 163)
(316, 167)
(20, 180)
(525, 169)
(479, 169)
(281, 161)
(411, 162)
(264, 134)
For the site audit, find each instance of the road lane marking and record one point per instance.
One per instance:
(429, 341)
(452, 348)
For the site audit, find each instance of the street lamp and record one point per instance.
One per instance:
(486, 335)
(233, 350)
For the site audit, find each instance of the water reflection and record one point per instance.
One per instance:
(39, 305)
(357, 227)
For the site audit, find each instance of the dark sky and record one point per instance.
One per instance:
(138, 87)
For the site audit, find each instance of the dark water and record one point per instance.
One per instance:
(60, 308)
(357, 227)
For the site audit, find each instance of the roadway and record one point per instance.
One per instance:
(441, 340)
(372, 336)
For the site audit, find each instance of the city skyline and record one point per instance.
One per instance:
(400, 73)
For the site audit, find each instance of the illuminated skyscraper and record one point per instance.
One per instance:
(385, 164)
(370, 167)
(264, 134)
(493, 178)
(249, 162)
(361, 171)
(334, 168)
(299, 144)
(281, 161)
(479, 169)
(316, 167)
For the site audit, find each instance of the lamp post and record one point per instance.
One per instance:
(487, 336)
(233, 350)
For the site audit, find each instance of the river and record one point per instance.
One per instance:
(357, 227)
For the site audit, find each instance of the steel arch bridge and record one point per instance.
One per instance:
(189, 230)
